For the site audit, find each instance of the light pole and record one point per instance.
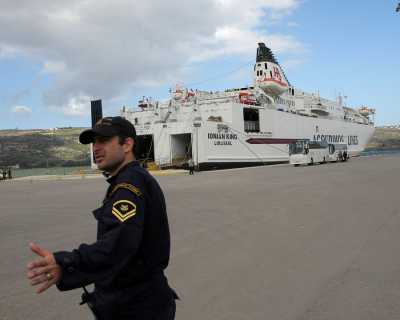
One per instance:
(197, 125)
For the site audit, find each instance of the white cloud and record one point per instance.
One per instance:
(53, 67)
(93, 48)
(77, 106)
(21, 110)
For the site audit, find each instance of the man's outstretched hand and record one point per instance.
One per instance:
(43, 272)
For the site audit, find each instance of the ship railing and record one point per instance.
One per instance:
(319, 108)
(226, 97)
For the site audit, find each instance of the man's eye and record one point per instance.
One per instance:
(101, 139)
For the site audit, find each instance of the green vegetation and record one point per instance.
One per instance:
(385, 139)
(43, 148)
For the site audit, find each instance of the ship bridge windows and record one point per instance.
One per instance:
(251, 119)
(266, 67)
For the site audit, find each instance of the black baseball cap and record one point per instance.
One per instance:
(108, 127)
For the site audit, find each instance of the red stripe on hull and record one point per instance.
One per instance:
(269, 141)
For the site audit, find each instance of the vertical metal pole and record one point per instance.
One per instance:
(97, 114)
(197, 147)
(197, 125)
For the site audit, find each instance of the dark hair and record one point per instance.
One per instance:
(121, 141)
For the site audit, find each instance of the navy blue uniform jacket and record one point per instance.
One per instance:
(127, 261)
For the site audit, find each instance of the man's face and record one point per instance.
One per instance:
(108, 153)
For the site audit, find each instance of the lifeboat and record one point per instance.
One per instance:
(365, 111)
(247, 98)
(319, 109)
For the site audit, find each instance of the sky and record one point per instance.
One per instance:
(56, 56)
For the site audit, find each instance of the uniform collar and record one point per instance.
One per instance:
(133, 163)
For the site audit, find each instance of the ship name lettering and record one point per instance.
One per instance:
(222, 136)
(352, 140)
(331, 138)
(222, 143)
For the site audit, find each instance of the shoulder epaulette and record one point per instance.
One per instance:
(127, 186)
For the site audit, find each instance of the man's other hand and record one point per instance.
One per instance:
(43, 272)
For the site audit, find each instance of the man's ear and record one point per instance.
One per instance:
(129, 144)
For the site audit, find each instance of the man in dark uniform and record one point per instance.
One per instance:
(344, 156)
(127, 262)
(191, 166)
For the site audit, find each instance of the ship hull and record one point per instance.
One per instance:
(215, 145)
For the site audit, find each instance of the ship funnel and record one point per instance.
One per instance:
(264, 54)
(268, 74)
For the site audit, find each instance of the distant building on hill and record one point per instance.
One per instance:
(391, 126)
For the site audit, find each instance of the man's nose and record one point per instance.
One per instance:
(96, 146)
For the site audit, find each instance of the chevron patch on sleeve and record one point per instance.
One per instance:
(123, 210)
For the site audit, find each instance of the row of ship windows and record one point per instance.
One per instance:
(259, 65)
(260, 73)
(283, 101)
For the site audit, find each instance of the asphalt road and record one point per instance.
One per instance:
(274, 242)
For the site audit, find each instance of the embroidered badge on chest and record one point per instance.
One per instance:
(123, 210)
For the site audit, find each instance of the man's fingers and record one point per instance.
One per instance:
(45, 286)
(47, 280)
(43, 271)
(38, 250)
(39, 271)
(37, 263)
(39, 279)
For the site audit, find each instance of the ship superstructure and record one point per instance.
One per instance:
(244, 126)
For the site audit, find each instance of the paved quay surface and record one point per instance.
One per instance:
(49, 177)
(274, 242)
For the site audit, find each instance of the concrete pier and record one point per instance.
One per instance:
(274, 242)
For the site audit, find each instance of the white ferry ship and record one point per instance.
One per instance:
(244, 126)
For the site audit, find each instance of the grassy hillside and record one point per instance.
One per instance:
(384, 139)
(43, 148)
